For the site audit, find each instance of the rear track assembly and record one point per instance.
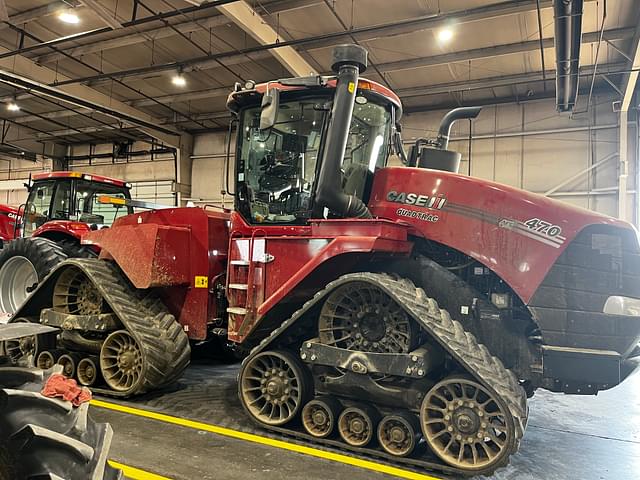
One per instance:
(481, 388)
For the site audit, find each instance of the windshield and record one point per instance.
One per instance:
(72, 200)
(89, 210)
(277, 168)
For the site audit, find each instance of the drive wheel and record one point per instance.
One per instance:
(273, 387)
(121, 361)
(360, 316)
(466, 426)
(75, 294)
(25, 262)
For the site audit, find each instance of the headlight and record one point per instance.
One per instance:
(616, 305)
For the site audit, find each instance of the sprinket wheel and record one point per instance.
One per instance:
(465, 425)
(360, 316)
(121, 361)
(273, 387)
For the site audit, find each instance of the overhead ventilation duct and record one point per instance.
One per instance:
(568, 36)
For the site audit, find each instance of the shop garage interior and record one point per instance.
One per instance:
(148, 92)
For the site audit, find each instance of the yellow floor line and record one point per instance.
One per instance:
(249, 437)
(135, 473)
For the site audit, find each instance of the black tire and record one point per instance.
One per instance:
(42, 253)
(42, 437)
(73, 249)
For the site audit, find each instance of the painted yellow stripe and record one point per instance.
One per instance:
(135, 473)
(249, 437)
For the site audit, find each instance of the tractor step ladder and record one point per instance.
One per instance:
(241, 288)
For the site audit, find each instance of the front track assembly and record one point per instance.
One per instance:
(114, 338)
(390, 376)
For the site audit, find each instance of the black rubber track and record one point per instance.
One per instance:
(164, 344)
(48, 438)
(475, 358)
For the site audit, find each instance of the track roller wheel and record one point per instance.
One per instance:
(356, 425)
(88, 371)
(397, 434)
(273, 387)
(47, 359)
(69, 362)
(319, 416)
(121, 361)
(466, 426)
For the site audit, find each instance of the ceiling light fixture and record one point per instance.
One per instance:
(13, 107)
(68, 17)
(179, 80)
(445, 35)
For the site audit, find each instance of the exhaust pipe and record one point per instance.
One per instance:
(447, 121)
(348, 62)
(568, 36)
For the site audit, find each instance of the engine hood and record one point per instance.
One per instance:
(517, 234)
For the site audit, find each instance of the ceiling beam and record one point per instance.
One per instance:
(496, 51)
(504, 81)
(21, 73)
(103, 13)
(320, 41)
(4, 13)
(252, 23)
(34, 14)
(133, 35)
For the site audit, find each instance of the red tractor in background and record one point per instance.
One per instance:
(400, 313)
(61, 208)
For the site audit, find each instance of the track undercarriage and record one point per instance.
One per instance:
(372, 365)
(112, 337)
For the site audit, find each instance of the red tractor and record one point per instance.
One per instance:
(61, 208)
(400, 313)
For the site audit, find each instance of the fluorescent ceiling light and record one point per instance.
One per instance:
(445, 35)
(13, 107)
(179, 80)
(68, 17)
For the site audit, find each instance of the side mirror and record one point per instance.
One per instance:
(270, 105)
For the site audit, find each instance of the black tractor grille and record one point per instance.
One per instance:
(600, 262)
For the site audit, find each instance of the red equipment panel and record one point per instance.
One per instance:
(278, 259)
(181, 249)
(517, 234)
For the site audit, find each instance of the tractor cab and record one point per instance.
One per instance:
(283, 136)
(72, 197)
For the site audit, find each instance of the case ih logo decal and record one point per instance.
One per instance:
(417, 200)
(536, 229)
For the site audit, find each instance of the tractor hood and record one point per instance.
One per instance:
(517, 234)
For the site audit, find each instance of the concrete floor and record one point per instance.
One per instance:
(567, 437)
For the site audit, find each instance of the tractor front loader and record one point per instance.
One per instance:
(399, 313)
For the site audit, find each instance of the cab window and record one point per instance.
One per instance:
(37, 209)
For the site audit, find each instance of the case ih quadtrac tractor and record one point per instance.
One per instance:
(403, 313)
(60, 209)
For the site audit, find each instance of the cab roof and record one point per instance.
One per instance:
(329, 82)
(85, 176)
